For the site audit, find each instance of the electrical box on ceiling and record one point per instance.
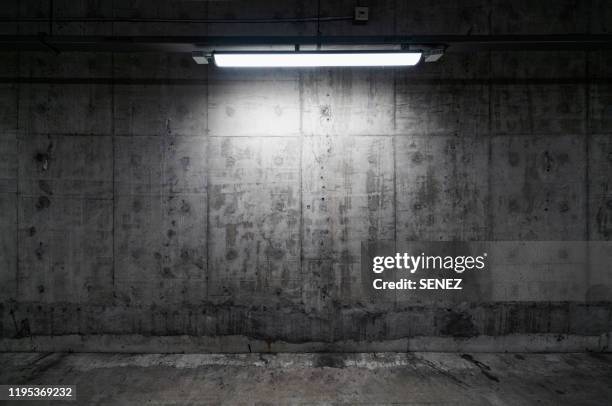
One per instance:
(362, 14)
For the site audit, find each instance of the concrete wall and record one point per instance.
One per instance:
(143, 195)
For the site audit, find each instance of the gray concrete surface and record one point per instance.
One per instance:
(143, 196)
(319, 379)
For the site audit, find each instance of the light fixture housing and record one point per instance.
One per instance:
(313, 59)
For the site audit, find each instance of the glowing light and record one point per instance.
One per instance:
(314, 59)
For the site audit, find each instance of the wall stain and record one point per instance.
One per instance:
(458, 324)
(43, 203)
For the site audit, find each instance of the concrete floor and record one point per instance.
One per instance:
(319, 379)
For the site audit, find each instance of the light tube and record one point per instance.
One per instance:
(314, 59)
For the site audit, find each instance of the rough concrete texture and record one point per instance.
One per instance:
(319, 379)
(142, 195)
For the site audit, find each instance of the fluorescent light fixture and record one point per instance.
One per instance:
(301, 59)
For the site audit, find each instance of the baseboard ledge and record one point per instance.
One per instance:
(241, 344)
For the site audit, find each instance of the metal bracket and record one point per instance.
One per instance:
(201, 57)
(431, 53)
